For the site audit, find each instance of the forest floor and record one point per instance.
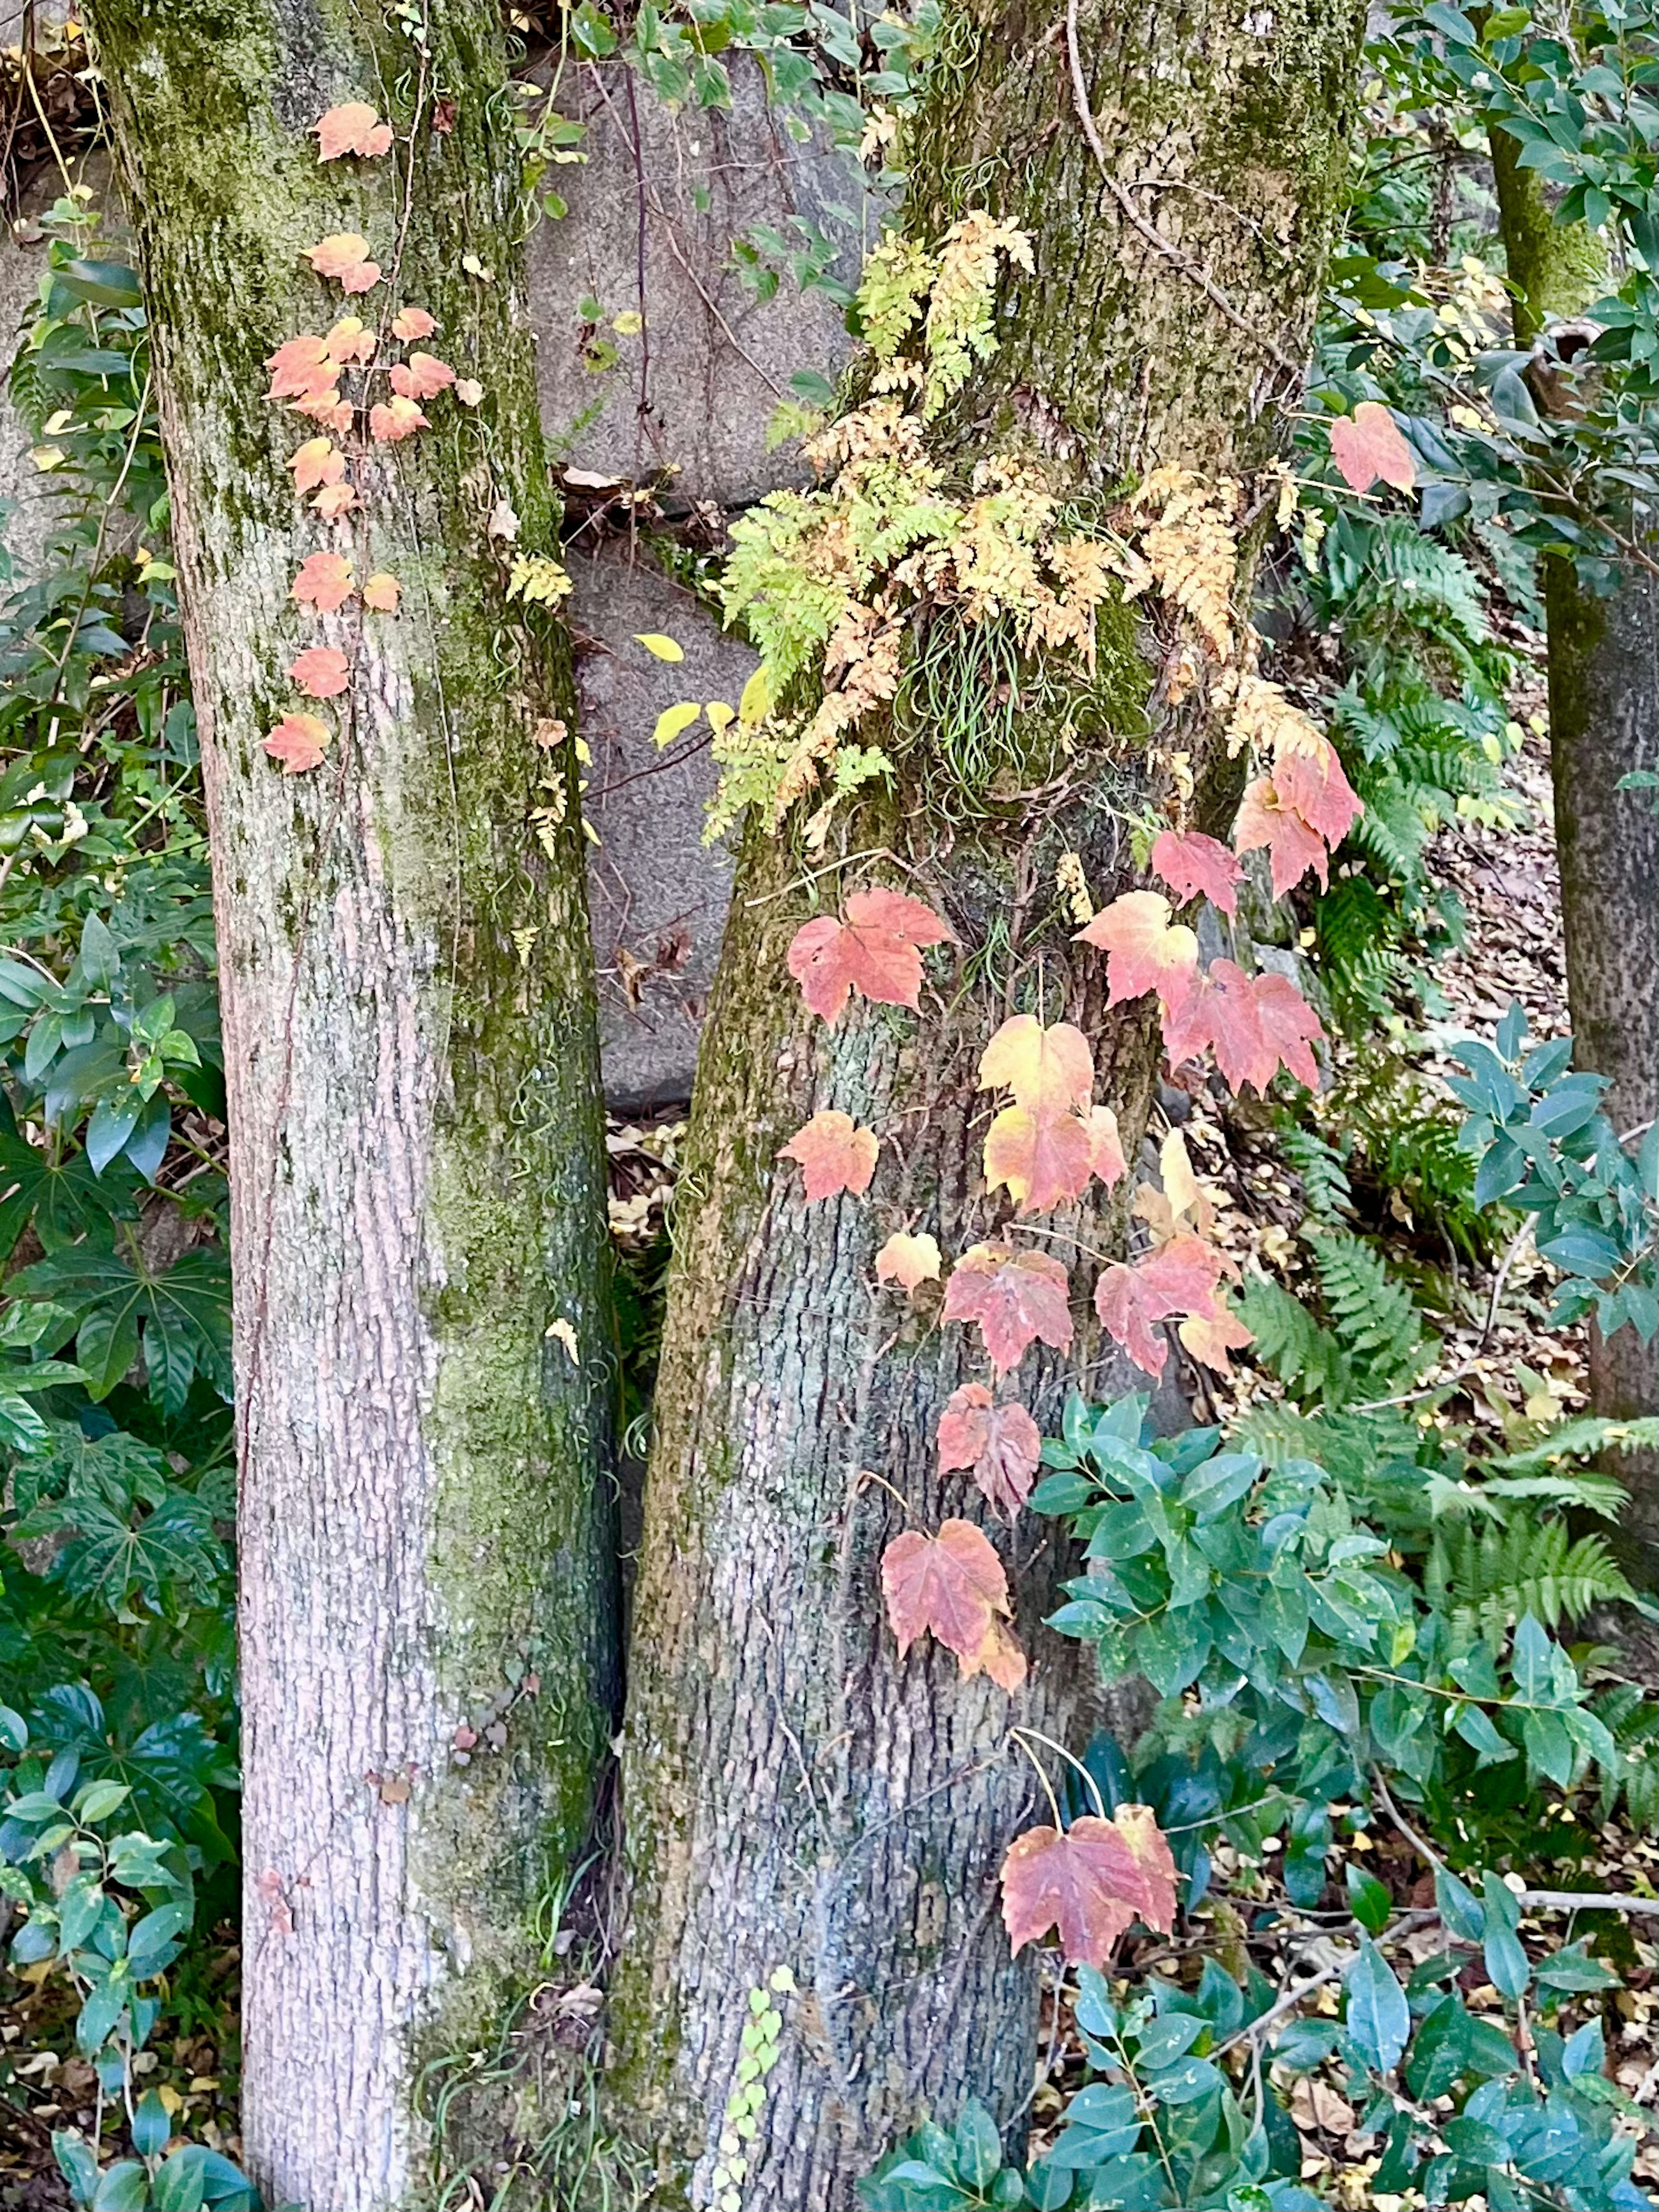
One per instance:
(1509, 1370)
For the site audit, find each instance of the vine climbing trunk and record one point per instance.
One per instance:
(1604, 726)
(418, 1221)
(807, 1813)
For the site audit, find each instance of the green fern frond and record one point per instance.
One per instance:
(1489, 1578)
(1372, 1316)
(1319, 1168)
(1290, 1343)
(1576, 1438)
(1632, 1721)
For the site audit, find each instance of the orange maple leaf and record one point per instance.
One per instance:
(321, 670)
(343, 254)
(1189, 863)
(422, 376)
(335, 500)
(412, 323)
(327, 406)
(1145, 951)
(1368, 444)
(319, 461)
(835, 1154)
(1048, 1067)
(351, 339)
(324, 582)
(873, 947)
(953, 1586)
(299, 741)
(1002, 1444)
(302, 366)
(1105, 1145)
(395, 419)
(382, 592)
(1264, 818)
(352, 128)
(908, 1260)
(1090, 1882)
(1041, 1147)
(1253, 1024)
(1210, 1336)
(1016, 1297)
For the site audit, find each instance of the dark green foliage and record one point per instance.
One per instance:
(117, 1771)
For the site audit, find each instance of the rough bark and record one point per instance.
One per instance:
(1604, 724)
(416, 1167)
(795, 1796)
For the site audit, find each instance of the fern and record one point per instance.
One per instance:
(1307, 1358)
(1588, 1433)
(1372, 1317)
(1488, 1579)
(1319, 1167)
(1632, 1721)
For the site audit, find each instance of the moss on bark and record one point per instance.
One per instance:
(794, 1794)
(418, 1172)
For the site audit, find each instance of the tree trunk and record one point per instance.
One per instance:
(418, 1226)
(795, 1796)
(1604, 724)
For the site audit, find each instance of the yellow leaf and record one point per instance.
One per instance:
(628, 325)
(720, 716)
(672, 721)
(755, 703)
(663, 648)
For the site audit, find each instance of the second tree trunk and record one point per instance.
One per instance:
(796, 1796)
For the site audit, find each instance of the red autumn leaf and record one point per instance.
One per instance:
(335, 500)
(1180, 1278)
(874, 947)
(835, 1154)
(1015, 1297)
(352, 128)
(319, 461)
(1367, 445)
(1265, 819)
(1002, 1444)
(1253, 1024)
(393, 419)
(324, 582)
(1092, 1883)
(422, 376)
(1308, 775)
(908, 1260)
(321, 670)
(382, 592)
(298, 741)
(1145, 952)
(351, 339)
(1042, 1155)
(1190, 862)
(412, 323)
(952, 1585)
(1105, 1146)
(301, 365)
